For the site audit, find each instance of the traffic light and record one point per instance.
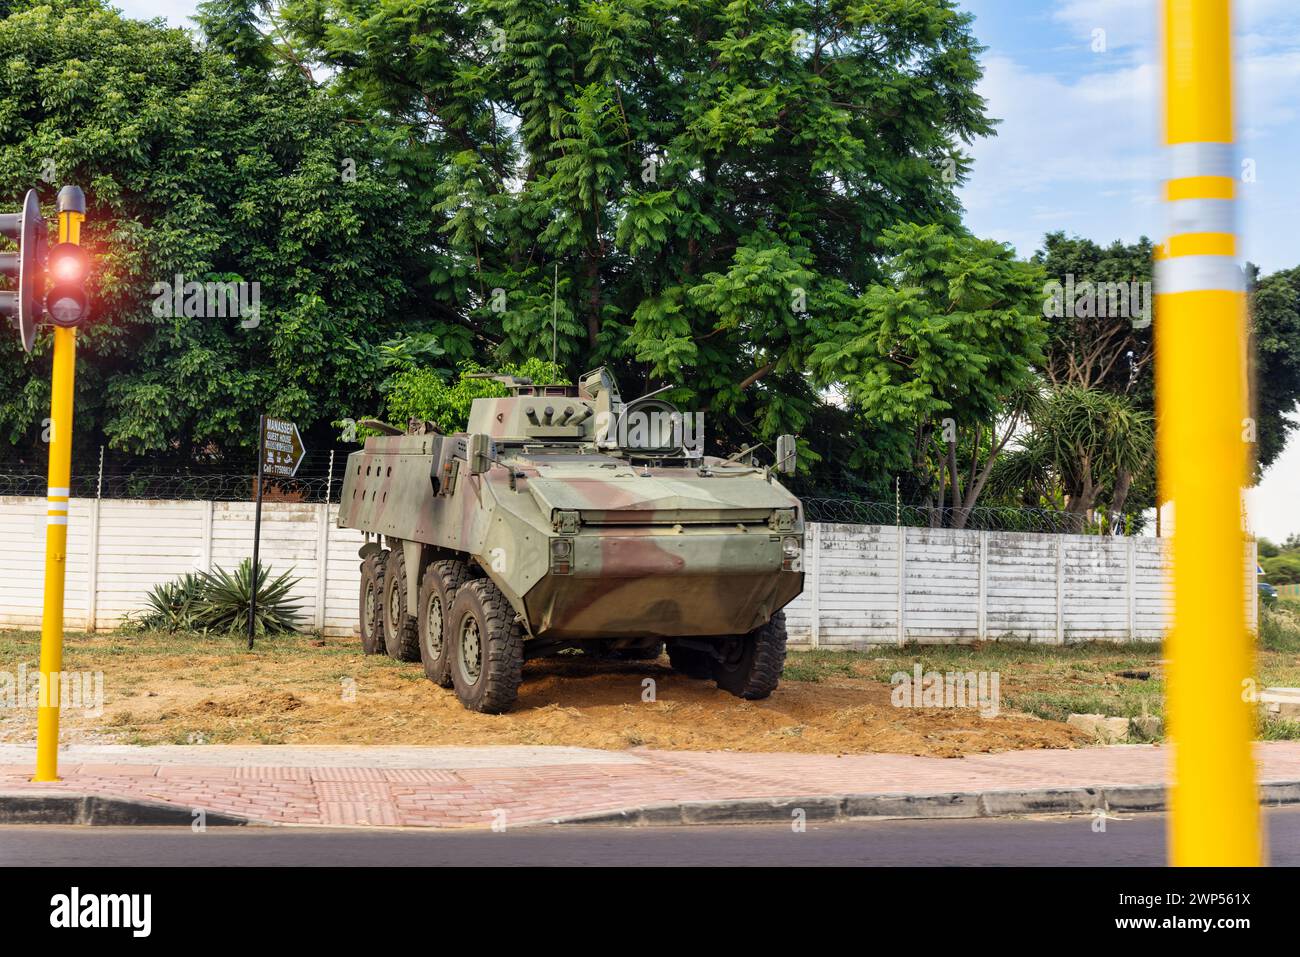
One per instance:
(67, 267)
(24, 305)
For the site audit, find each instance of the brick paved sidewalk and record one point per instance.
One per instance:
(453, 787)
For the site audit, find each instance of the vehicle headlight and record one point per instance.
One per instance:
(561, 556)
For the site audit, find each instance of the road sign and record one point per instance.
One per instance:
(282, 448)
(280, 451)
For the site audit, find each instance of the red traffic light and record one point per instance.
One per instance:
(68, 267)
(67, 263)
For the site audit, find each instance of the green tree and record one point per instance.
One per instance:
(1115, 352)
(1081, 452)
(688, 190)
(940, 357)
(422, 393)
(1275, 325)
(1281, 569)
(193, 167)
(1098, 340)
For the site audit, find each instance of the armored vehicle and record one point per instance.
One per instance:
(567, 518)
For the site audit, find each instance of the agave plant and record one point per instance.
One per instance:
(224, 605)
(172, 605)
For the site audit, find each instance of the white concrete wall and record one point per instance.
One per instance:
(865, 584)
(882, 585)
(143, 543)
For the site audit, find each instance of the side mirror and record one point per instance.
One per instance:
(786, 454)
(481, 452)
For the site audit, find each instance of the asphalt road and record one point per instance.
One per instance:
(1135, 840)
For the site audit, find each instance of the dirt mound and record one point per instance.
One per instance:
(243, 706)
(292, 691)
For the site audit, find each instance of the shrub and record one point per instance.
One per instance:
(1279, 628)
(217, 601)
(225, 601)
(421, 393)
(171, 605)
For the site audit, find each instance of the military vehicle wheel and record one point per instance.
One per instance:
(372, 605)
(487, 648)
(751, 664)
(437, 592)
(690, 662)
(401, 632)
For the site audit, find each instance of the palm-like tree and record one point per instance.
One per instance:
(1085, 449)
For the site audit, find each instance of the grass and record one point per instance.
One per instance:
(1050, 681)
(1279, 628)
(1279, 729)
(1047, 681)
(820, 664)
(80, 655)
(1053, 682)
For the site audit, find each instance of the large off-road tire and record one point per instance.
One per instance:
(690, 662)
(372, 604)
(401, 632)
(751, 664)
(487, 648)
(437, 593)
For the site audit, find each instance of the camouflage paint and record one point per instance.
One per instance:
(656, 551)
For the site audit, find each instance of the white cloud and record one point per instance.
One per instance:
(1138, 21)
(1080, 152)
(1087, 143)
(176, 12)
(1063, 145)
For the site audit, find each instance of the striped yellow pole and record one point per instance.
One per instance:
(56, 523)
(1201, 394)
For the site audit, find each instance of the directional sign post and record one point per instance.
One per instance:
(279, 453)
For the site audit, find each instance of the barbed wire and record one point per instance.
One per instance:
(979, 518)
(320, 485)
(212, 486)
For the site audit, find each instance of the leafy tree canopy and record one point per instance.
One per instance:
(940, 348)
(1275, 322)
(195, 169)
(422, 393)
(688, 190)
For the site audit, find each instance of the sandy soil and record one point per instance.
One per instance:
(324, 691)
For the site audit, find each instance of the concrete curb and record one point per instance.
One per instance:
(61, 807)
(960, 804)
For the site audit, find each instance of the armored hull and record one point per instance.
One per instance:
(585, 543)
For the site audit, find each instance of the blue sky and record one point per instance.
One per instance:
(1078, 147)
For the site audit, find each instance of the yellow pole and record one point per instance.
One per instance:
(1201, 394)
(56, 529)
